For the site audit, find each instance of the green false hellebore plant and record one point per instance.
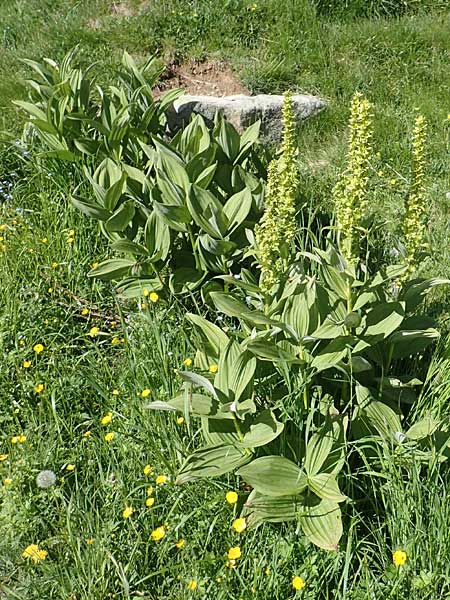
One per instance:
(177, 209)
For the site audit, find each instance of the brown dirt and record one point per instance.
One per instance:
(209, 78)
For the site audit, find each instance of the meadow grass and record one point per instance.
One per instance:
(95, 553)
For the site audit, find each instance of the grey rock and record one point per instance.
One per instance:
(243, 110)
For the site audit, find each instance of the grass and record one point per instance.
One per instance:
(401, 63)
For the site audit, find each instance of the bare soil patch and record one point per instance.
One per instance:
(209, 78)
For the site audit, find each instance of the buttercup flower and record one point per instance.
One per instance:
(115, 341)
(84, 312)
(180, 420)
(153, 297)
(150, 502)
(161, 479)
(234, 553)
(87, 434)
(399, 558)
(109, 436)
(39, 388)
(192, 585)
(231, 497)
(90, 541)
(26, 364)
(7, 481)
(38, 348)
(128, 511)
(3, 457)
(213, 368)
(147, 470)
(106, 419)
(187, 362)
(239, 525)
(115, 392)
(33, 551)
(145, 393)
(150, 490)
(180, 543)
(70, 467)
(298, 583)
(94, 331)
(158, 533)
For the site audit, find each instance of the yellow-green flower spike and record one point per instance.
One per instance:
(415, 216)
(350, 193)
(275, 234)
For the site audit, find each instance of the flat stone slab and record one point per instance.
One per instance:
(243, 110)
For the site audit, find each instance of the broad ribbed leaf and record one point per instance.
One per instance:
(112, 269)
(211, 462)
(326, 487)
(321, 522)
(274, 476)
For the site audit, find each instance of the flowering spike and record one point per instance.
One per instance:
(415, 218)
(275, 234)
(350, 193)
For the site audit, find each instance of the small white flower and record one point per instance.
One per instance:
(400, 437)
(233, 407)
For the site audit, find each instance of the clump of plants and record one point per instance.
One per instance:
(312, 370)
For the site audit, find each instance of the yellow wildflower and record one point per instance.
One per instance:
(239, 525)
(180, 543)
(213, 368)
(115, 341)
(106, 419)
(161, 479)
(268, 571)
(192, 585)
(14, 439)
(187, 362)
(26, 364)
(7, 482)
(150, 502)
(399, 558)
(180, 420)
(90, 541)
(94, 265)
(234, 553)
(94, 331)
(298, 583)
(39, 388)
(158, 533)
(153, 297)
(55, 264)
(149, 490)
(115, 392)
(87, 434)
(109, 436)
(128, 511)
(70, 467)
(22, 439)
(393, 181)
(84, 312)
(231, 497)
(32, 551)
(38, 348)
(3, 457)
(145, 393)
(147, 470)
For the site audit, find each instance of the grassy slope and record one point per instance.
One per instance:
(400, 64)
